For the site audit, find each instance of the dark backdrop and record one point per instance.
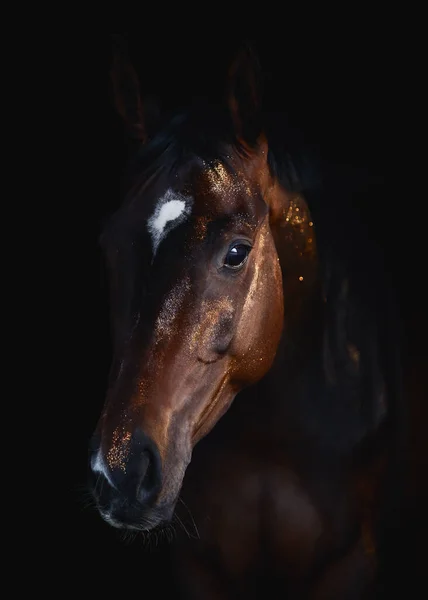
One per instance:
(339, 86)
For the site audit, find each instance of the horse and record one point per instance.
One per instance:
(250, 396)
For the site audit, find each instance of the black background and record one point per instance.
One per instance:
(343, 82)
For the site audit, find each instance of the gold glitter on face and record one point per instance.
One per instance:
(218, 177)
(119, 449)
(165, 323)
(222, 182)
(201, 228)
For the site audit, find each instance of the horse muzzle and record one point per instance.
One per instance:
(126, 482)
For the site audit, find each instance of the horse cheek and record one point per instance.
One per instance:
(261, 323)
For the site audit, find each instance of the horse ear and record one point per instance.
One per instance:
(244, 95)
(126, 91)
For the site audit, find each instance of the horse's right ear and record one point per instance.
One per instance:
(126, 92)
(244, 94)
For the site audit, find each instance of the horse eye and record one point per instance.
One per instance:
(236, 256)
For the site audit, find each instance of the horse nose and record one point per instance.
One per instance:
(131, 475)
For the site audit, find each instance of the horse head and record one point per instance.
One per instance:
(197, 289)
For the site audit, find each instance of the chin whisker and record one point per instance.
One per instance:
(85, 499)
(180, 522)
(192, 519)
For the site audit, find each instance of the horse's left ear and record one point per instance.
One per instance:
(127, 94)
(244, 95)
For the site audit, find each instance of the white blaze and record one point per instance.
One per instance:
(171, 207)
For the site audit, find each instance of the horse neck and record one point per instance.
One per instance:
(283, 399)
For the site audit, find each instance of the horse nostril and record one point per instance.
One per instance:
(149, 477)
(137, 479)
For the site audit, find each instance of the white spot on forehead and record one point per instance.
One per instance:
(171, 207)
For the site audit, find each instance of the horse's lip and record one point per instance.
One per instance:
(149, 520)
(109, 519)
(146, 525)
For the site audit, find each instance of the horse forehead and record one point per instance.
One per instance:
(221, 180)
(227, 192)
(221, 190)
